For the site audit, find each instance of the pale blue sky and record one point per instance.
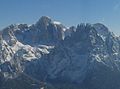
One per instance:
(69, 12)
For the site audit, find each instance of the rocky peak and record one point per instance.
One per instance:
(102, 30)
(45, 19)
(43, 22)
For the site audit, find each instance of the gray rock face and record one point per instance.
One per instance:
(48, 51)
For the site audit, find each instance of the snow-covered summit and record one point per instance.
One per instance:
(49, 51)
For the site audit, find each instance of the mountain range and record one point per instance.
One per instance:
(49, 55)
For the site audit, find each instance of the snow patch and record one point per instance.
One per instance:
(56, 22)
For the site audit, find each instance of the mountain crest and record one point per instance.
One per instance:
(43, 21)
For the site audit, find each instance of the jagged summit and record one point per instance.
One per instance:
(44, 20)
(102, 29)
(45, 17)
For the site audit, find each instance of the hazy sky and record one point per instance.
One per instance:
(69, 12)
